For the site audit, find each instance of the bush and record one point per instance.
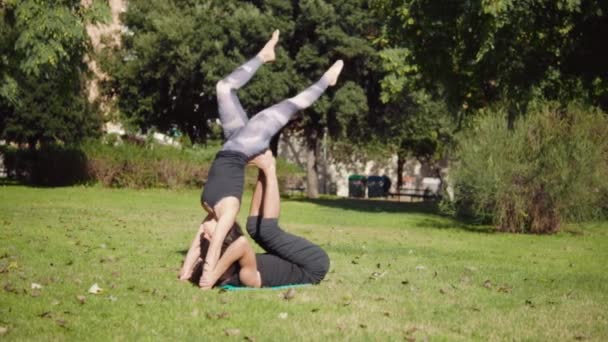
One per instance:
(47, 166)
(552, 166)
(133, 166)
(123, 165)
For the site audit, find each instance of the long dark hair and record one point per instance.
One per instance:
(232, 272)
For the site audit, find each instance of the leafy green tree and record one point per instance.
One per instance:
(481, 52)
(42, 71)
(165, 75)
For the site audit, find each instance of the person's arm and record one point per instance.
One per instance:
(194, 252)
(226, 219)
(240, 250)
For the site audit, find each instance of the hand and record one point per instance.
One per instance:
(264, 161)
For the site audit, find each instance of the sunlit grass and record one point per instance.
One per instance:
(398, 271)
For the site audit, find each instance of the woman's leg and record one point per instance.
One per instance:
(266, 232)
(255, 136)
(232, 114)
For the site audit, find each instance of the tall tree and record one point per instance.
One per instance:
(42, 71)
(481, 52)
(165, 75)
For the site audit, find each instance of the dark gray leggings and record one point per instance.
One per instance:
(289, 259)
(253, 136)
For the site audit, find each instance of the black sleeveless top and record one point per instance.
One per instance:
(226, 177)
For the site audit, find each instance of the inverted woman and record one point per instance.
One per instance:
(288, 259)
(221, 196)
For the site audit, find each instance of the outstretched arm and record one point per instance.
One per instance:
(194, 252)
(226, 212)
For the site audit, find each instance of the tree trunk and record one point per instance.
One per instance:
(312, 178)
(400, 163)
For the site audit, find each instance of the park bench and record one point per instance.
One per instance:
(410, 192)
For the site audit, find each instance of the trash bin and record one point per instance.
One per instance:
(375, 186)
(356, 186)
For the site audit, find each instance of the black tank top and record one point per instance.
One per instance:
(226, 177)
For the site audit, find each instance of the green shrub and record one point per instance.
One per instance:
(47, 166)
(552, 166)
(126, 165)
(133, 166)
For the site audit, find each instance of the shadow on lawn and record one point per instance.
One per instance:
(378, 206)
(10, 182)
(374, 206)
(450, 223)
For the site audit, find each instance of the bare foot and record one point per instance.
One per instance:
(331, 75)
(267, 52)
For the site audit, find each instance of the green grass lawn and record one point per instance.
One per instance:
(398, 272)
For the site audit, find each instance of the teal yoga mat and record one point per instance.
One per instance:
(241, 288)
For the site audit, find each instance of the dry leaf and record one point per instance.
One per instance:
(95, 289)
(231, 332)
(81, 299)
(289, 294)
(3, 330)
(36, 286)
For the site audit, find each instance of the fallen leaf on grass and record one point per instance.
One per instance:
(218, 315)
(376, 275)
(289, 294)
(487, 284)
(45, 314)
(3, 330)
(81, 299)
(231, 332)
(504, 289)
(9, 287)
(95, 289)
(283, 315)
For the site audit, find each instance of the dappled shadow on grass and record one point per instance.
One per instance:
(448, 223)
(373, 206)
(10, 182)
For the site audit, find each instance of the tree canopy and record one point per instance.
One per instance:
(42, 71)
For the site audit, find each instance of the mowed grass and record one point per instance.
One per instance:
(398, 272)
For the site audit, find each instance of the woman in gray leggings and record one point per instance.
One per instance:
(221, 196)
(288, 260)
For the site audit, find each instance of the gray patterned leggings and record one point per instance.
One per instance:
(253, 136)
